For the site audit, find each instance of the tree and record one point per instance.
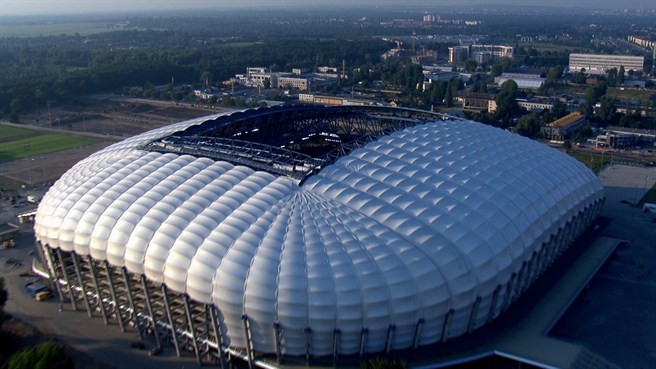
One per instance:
(594, 93)
(48, 355)
(630, 120)
(584, 132)
(607, 110)
(470, 65)
(497, 69)
(553, 74)
(611, 77)
(528, 126)
(559, 109)
(206, 79)
(579, 78)
(620, 75)
(507, 101)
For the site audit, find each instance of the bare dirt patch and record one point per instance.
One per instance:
(107, 117)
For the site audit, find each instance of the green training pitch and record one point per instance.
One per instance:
(7, 132)
(39, 145)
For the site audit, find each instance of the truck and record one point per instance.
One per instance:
(38, 291)
(649, 207)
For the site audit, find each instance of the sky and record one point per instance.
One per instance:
(44, 7)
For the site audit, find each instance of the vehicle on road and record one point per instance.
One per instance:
(38, 291)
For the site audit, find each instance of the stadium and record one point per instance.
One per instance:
(310, 232)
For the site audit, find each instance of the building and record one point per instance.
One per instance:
(561, 129)
(482, 54)
(299, 233)
(477, 102)
(647, 44)
(485, 54)
(430, 18)
(524, 81)
(298, 83)
(458, 54)
(600, 64)
(534, 106)
(257, 77)
(332, 100)
(626, 138)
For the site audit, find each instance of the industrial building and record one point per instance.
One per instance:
(626, 138)
(311, 232)
(562, 128)
(525, 81)
(600, 63)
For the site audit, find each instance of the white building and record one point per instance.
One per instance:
(600, 63)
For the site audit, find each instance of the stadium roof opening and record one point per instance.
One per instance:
(293, 141)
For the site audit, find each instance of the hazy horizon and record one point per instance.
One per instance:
(54, 7)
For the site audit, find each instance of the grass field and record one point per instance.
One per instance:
(593, 161)
(53, 29)
(629, 94)
(39, 145)
(7, 132)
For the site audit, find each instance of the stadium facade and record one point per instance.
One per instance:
(311, 232)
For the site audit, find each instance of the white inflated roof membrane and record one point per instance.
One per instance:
(410, 226)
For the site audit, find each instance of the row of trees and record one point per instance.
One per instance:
(33, 83)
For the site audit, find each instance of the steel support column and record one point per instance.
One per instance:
(169, 314)
(308, 344)
(472, 315)
(149, 306)
(128, 292)
(492, 312)
(190, 321)
(76, 264)
(249, 342)
(277, 331)
(507, 299)
(52, 269)
(112, 291)
(418, 329)
(94, 278)
(216, 327)
(336, 342)
(390, 338)
(447, 323)
(363, 341)
(62, 265)
(519, 282)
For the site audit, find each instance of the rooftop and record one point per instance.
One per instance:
(567, 120)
